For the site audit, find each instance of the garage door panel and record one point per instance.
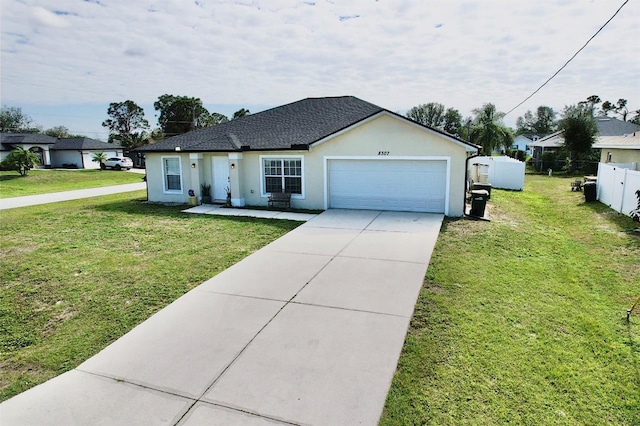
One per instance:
(409, 185)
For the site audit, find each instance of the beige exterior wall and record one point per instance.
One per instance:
(620, 155)
(384, 137)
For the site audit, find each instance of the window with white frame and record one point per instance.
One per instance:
(282, 175)
(172, 174)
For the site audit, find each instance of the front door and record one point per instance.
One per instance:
(220, 167)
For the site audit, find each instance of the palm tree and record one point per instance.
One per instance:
(21, 160)
(489, 131)
(99, 157)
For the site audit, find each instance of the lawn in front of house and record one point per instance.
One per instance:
(75, 276)
(523, 320)
(45, 181)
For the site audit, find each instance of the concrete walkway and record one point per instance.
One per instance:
(54, 197)
(307, 330)
(218, 210)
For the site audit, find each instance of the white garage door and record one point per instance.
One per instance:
(404, 185)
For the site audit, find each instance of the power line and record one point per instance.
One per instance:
(570, 59)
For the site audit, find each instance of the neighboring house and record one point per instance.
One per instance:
(623, 149)
(34, 142)
(523, 143)
(80, 151)
(549, 143)
(607, 127)
(54, 152)
(337, 152)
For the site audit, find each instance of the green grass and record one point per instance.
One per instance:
(77, 275)
(44, 181)
(522, 320)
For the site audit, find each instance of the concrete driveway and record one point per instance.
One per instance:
(307, 330)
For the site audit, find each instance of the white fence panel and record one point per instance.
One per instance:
(617, 187)
(504, 172)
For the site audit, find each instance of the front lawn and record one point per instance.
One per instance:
(75, 276)
(44, 181)
(522, 320)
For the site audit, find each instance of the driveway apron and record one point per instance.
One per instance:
(307, 330)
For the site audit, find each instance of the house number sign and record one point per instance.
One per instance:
(383, 152)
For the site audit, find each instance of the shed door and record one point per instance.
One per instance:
(403, 185)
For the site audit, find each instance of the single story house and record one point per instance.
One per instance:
(80, 151)
(623, 149)
(58, 152)
(523, 142)
(34, 142)
(549, 143)
(332, 152)
(610, 130)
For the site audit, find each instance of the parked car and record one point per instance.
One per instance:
(117, 163)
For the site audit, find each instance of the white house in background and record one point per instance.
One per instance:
(623, 149)
(58, 153)
(523, 142)
(334, 152)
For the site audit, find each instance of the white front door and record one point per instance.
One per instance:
(220, 166)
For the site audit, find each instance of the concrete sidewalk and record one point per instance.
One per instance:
(218, 210)
(54, 197)
(307, 330)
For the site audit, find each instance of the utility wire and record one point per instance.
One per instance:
(570, 59)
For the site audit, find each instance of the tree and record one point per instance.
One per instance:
(240, 113)
(591, 102)
(181, 114)
(58, 132)
(543, 121)
(489, 131)
(12, 119)
(21, 160)
(431, 114)
(619, 108)
(208, 120)
(452, 121)
(99, 157)
(579, 130)
(127, 124)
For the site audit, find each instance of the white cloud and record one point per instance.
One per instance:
(396, 54)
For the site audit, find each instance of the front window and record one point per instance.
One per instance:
(282, 175)
(172, 174)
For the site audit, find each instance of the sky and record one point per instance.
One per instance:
(63, 62)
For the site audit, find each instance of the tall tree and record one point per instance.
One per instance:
(591, 102)
(242, 112)
(579, 130)
(181, 114)
(58, 132)
(489, 131)
(543, 121)
(431, 114)
(619, 108)
(452, 121)
(127, 124)
(12, 119)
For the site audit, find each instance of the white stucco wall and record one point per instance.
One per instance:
(620, 155)
(385, 133)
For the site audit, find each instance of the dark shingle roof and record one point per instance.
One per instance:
(26, 138)
(83, 143)
(292, 126)
(611, 126)
(298, 123)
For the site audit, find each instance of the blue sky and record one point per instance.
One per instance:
(63, 62)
